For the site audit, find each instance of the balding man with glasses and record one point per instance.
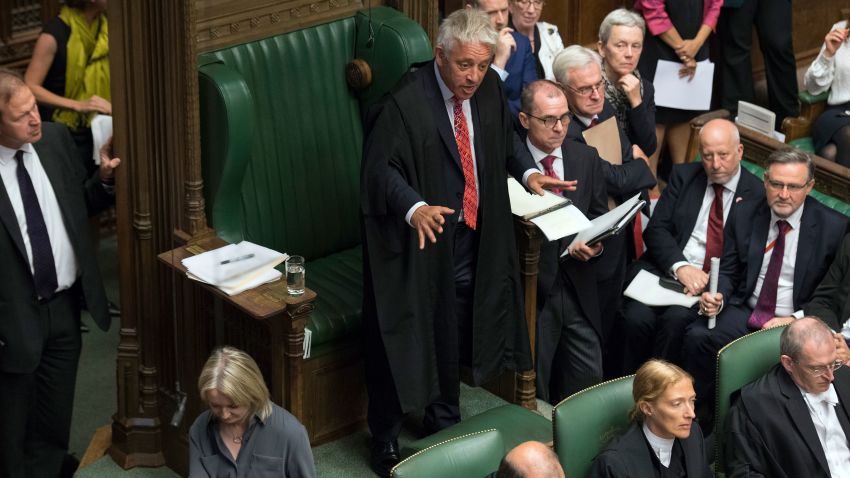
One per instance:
(775, 253)
(795, 420)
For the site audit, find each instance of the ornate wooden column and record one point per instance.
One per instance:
(154, 83)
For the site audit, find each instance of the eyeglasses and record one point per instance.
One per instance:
(821, 369)
(794, 188)
(550, 121)
(538, 4)
(588, 90)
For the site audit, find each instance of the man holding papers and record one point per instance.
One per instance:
(569, 329)
(685, 232)
(579, 71)
(775, 252)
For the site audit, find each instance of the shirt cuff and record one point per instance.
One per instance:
(798, 314)
(412, 210)
(676, 267)
(503, 74)
(528, 173)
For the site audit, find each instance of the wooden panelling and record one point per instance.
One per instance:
(578, 20)
(222, 23)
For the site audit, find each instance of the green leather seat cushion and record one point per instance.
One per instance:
(516, 425)
(338, 282)
(473, 455)
(804, 144)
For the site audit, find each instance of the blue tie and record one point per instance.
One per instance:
(44, 268)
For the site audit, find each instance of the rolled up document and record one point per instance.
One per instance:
(712, 286)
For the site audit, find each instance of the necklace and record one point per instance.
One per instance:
(237, 439)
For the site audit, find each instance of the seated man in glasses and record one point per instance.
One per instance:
(795, 420)
(775, 253)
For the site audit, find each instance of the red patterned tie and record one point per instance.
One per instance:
(714, 238)
(766, 304)
(593, 122)
(549, 169)
(470, 194)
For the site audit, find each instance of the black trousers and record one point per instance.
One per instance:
(36, 408)
(772, 19)
(700, 349)
(653, 332)
(453, 340)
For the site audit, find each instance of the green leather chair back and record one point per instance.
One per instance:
(739, 363)
(586, 421)
(474, 455)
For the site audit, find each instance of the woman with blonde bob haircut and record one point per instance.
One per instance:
(663, 440)
(243, 433)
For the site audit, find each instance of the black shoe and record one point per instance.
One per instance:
(384, 456)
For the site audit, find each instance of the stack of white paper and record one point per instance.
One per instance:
(553, 214)
(235, 268)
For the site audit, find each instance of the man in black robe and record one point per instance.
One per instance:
(779, 423)
(434, 174)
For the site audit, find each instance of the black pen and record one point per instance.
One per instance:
(237, 259)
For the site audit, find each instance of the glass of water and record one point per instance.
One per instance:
(295, 275)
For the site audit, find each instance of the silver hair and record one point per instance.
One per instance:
(620, 17)
(791, 156)
(467, 25)
(571, 58)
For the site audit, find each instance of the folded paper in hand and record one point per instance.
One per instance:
(609, 224)
(646, 289)
(101, 131)
(553, 214)
(257, 267)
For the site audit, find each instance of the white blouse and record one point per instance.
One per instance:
(831, 74)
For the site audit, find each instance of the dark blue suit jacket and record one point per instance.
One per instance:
(675, 215)
(821, 232)
(522, 70)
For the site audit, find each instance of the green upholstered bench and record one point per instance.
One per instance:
(281, 143)
(586, 421)
(515, 424)
(738, 363)
(798, 130)
(473, 455)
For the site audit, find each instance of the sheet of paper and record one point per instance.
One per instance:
(525, 204)
(645, 288)
(264, 277)
(605, 221)
(562, 222)
(605, 137)
(681, 93)
(101, 131)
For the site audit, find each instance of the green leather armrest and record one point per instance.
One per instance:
(397, 42)
(586, 421)
(739, 363)
(225, 143)
(808, 98)
(516, 425)
(473, 455)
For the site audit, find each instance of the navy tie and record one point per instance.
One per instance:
(44, 268)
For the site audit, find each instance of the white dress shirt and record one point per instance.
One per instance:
(830, 434)
(663, 447)
(538, 155)
(785, 286)
(64, 258)
(694, 250)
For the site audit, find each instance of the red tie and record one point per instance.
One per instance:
(714, 238)
(548, 168)
(470, 195)
(766, 304)
(593, 122)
